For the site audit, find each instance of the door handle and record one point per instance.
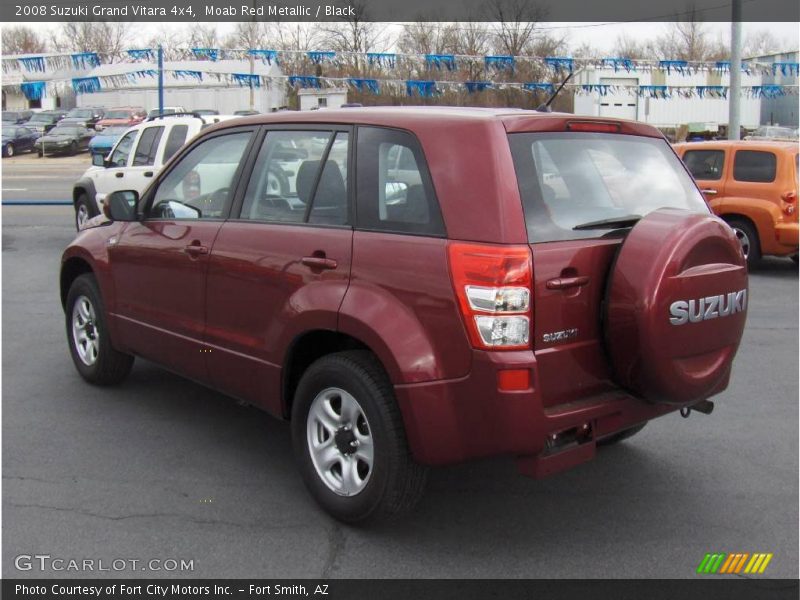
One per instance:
(119, 174)
(148, 173)
(319, 262)
(563, 283)
(195, 250)
(710, 191)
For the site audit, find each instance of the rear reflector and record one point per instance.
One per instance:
(513, 380)
(492, 284)
(593, 126)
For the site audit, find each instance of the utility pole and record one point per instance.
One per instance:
(252, 59)
(735, 91)
(160, 80)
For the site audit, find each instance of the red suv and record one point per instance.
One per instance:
(418, 286)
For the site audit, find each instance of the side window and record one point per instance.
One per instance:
(705, 164)
(754, 166)
(119, 158)
(175, 139)
(286, 176)
(394, 187)
(148, 145)
(198, 187)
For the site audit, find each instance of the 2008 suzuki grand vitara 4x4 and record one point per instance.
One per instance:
(418, 286)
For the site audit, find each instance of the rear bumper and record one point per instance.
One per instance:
(786, 234)
(455, 420)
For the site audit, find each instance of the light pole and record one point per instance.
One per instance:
(735, 91)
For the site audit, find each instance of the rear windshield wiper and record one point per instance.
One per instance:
(613, 223)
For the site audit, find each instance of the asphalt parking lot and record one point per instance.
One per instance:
(162, 468)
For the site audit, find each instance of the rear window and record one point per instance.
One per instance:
(754, 166)
(571, 179)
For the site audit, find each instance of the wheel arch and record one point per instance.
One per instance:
(71, 269)
(737, 216)
(85, 186)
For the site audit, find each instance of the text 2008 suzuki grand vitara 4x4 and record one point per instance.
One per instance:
(418, 286)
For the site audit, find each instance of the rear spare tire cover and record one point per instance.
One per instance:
(676, 306)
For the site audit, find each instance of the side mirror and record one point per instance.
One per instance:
(121, 206)
(98, 160)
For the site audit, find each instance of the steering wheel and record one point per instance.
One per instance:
(215, 201)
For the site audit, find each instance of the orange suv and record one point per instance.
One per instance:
(752, 185)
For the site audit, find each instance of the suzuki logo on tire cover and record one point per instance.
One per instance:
(710, 307)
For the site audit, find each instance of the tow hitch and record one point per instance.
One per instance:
(704, 406)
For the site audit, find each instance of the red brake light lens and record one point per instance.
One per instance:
(593, 126)
(493, 287)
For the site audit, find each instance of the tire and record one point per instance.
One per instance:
(73, 149)
(95, 358)
(83, 211)
(748, 238)
(794, 258)
(382, 483)
(40, 154)
(621, 435)
(9, 150)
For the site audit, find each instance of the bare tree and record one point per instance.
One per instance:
(294, 36)
(516, 24)
(250, 34)
(428, 38)
(202, 35)
(106, 38)
(356, 33)
(22, 40)
(628, 47)
(760, 42)
(689, 40)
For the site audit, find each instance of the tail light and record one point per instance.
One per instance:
(493, 287)
(789, 198)
(593, 126)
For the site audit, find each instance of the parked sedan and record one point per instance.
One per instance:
(42, 122)
(103, 142)
(16, 117)
(67, 138)
(17, 139)
(87, 117)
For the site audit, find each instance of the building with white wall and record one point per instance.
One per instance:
(312, 98)
(673, 111)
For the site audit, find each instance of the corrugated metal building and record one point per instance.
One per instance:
(780, 110)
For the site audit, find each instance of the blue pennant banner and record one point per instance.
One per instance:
(33, 63)
(34, 90)
(619, 63)
(267, 56)
(499, 63)
(304, 81)
(142, 54)
(601, 89)
(246, 80)
(767, 91)
(184, 74)
(559, 64)
(714, 91)
(365, 85)
(206, 53)
(425, 89)
(654, 91)
(441, 61)
(680, 66)
(85, 60)
(135, 76)
(320, 57)
(786, 68)
(382, 59)
(536, 86)
(478, 86)
(86, 85)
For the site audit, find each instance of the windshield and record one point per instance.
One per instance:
(118, 114)
(40, 118)
(571, 179)
(80, 113)
(9, 131)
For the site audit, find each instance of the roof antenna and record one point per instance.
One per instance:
(546, 106)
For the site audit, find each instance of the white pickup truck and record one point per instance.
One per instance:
(133, 161)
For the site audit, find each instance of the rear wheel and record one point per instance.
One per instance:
(350, 442)
(87, 333)
(73, 148)
(748, 239)
(620, 435)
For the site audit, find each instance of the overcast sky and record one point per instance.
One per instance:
(599, 35)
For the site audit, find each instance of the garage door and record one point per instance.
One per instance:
(621, 104)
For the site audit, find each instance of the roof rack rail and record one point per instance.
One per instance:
(174, 114)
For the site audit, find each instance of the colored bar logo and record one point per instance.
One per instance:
(721, 563)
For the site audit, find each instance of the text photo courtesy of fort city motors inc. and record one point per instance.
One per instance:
(432, 300)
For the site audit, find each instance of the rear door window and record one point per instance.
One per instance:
(571, 179)
(754, 166)
(175, 139)
(147, 147)
(705, 164)
(395, 192)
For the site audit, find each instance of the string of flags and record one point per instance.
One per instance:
(34, 90)
(49, 63)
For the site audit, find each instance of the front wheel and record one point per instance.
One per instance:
(9, 150)
(95, 358)
(349, 440)
(82, 211)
